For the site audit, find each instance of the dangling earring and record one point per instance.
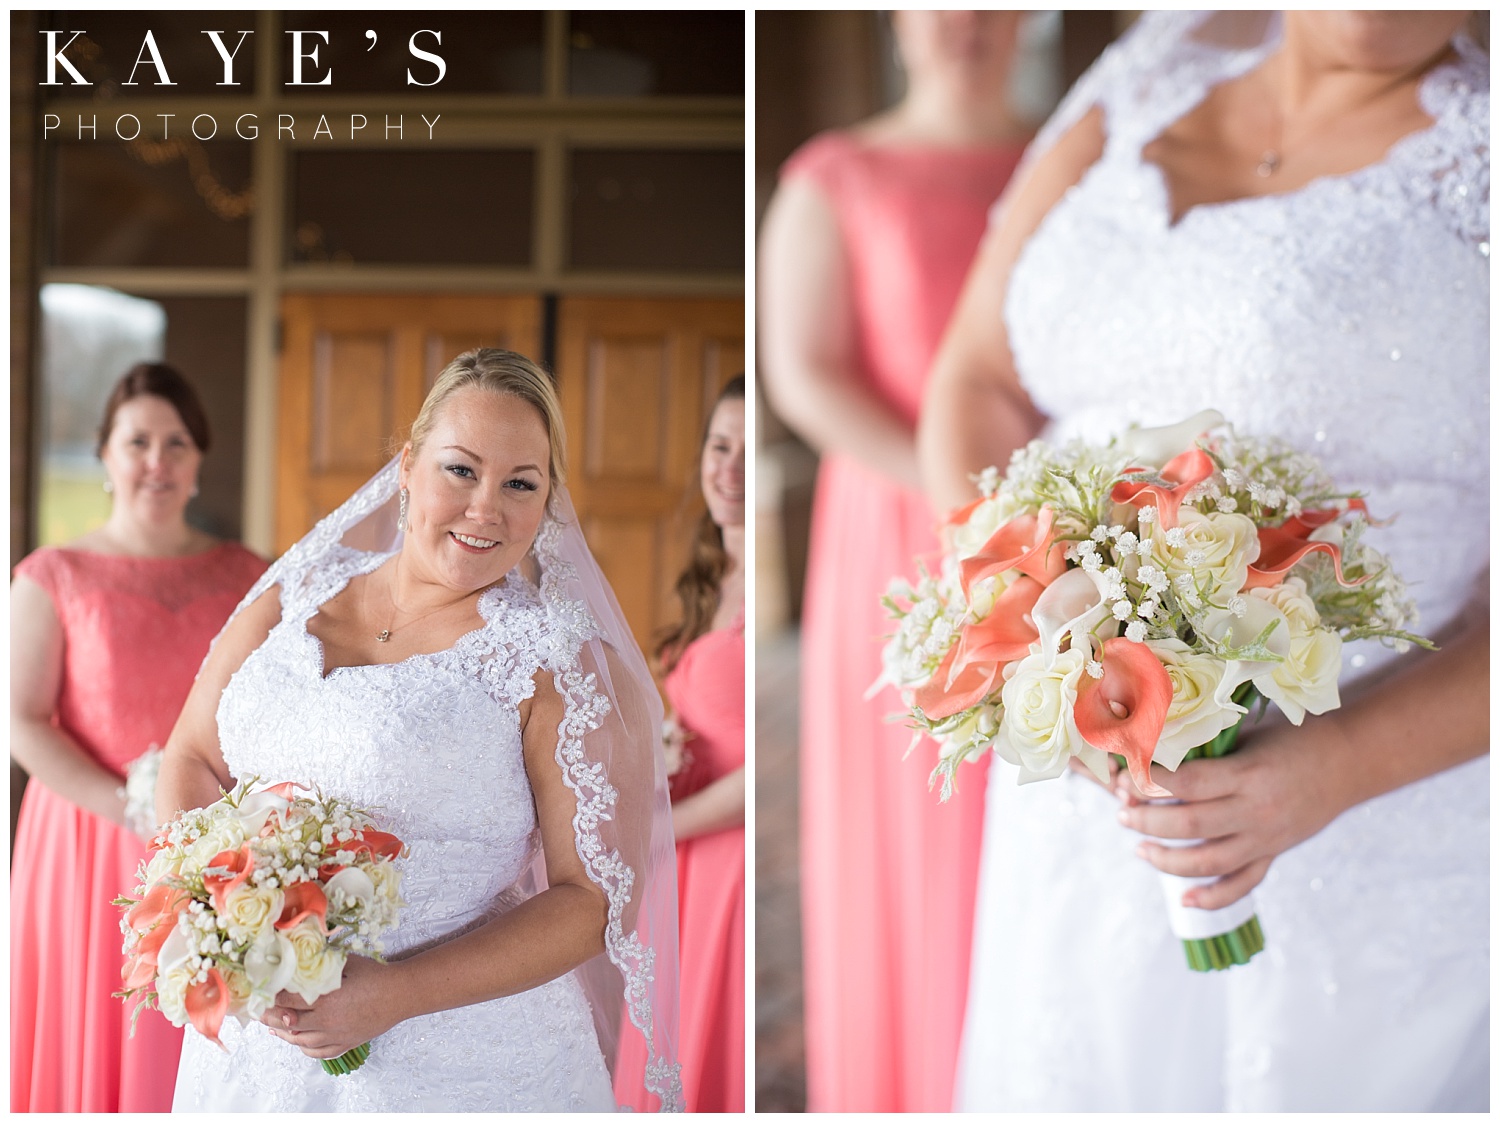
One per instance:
(109, 486)
(193, 493)
(401, 523)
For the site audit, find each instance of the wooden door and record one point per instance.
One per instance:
(354, 371)
(638, 378)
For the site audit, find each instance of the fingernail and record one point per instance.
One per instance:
(1140, 851)
(286, 1020)
(1124, 817)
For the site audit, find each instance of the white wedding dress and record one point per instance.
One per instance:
(432, 746)
(1350, 317)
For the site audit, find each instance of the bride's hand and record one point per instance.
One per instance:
(1283, 786)
(359, 1011)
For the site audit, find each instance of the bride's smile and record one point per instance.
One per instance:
(477, 484)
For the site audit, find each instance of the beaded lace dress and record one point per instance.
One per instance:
(1349, 317)
(432, 746)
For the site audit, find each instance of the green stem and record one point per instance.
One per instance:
(347, 1062)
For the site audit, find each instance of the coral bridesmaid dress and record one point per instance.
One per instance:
(135, 633)
(706, 690)
(888, 873)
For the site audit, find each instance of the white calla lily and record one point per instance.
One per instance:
(1222, 625)
(1152, 448)
(1073, 604)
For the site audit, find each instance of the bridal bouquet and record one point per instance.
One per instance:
(1137, 598)
(264, 891)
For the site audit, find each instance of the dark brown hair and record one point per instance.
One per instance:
(698, 584)
(160, 381)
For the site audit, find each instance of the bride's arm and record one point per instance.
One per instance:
(974, 411)
(1290, 782)
(539, 940)
(193, 769)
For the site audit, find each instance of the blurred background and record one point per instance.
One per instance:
(816, 71)
(582, 200)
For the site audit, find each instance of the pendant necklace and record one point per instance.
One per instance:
(384, 635)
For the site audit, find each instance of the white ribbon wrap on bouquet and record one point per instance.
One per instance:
(1197, 924)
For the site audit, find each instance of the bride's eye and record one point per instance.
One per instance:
(462, 471)
(521, 484)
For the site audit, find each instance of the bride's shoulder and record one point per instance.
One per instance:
(307, 584)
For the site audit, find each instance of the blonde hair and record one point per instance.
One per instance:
(501, 372)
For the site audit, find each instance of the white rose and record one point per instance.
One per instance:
(1227, 545)
(387, 879)
(1307, 680)
(982, 523)
(1039, 733)
(174, 976)
(225, 834)
(249, 911)
(1152, 448)
(319, 968)
(1292, 599)
(1196, 714)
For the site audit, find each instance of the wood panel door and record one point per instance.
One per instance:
(354, 371)
(638, 378)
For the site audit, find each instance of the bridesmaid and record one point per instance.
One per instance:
(863, 252)
(106, 637)
(704, 657)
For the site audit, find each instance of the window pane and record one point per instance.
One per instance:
(483, 52)
(112, 43)
(664, 209)
(91, 336)
(656, 54)
(464, 207)
(177, 202)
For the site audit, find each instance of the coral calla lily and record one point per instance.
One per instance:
(974, 665)
(1125, 709)
(1280, 549)
(379, 843)
(237, 866)
(1026, 543)
(207, 1003)
(304, 899)
(1184, 472)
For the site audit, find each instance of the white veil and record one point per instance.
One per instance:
(609, 751)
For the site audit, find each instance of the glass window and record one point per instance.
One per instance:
(176, 202)
(656, 54)
(661, 209)
(90, 337)
(463, 207)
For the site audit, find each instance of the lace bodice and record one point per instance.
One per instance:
(432, 745)
(1350, 317)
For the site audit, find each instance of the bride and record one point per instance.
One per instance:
(443, 650)
(1285, 218)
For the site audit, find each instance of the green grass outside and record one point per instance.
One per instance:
(71, 506)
